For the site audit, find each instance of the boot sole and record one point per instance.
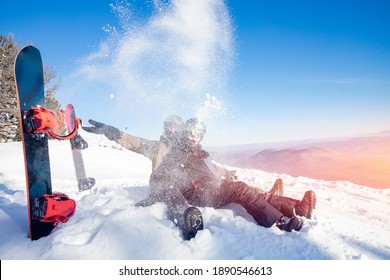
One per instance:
(193, 222)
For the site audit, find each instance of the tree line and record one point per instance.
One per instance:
(9, 115)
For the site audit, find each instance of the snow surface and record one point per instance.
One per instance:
(350, 222)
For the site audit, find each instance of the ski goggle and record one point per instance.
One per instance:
(197, 132)
(172, 127)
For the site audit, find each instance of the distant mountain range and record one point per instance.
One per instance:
(360, 160)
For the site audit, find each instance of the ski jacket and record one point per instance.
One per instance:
(188, 170)
(177, 165)
(182, 176)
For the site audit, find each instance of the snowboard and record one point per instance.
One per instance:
(77, 143)
(30, 93)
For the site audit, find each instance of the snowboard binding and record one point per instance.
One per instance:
(39, 120)
(53, 208)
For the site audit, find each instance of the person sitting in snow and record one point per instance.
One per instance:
(183, 180)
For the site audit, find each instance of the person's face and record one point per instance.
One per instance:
(195, 135)
(194, 138)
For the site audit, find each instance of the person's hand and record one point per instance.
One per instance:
(112, 133)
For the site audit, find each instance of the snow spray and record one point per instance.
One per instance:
(174, 59)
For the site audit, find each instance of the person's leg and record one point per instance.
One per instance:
(292, 207)
(252, 200)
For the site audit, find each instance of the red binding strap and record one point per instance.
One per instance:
(41, 120)
(77, 122)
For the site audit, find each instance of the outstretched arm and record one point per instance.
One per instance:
(128, 141)
(112, 133)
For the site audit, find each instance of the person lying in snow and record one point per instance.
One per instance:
(183, 180)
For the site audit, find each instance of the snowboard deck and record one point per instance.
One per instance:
(30, 93)
(77, 144)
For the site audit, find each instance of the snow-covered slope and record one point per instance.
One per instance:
(350, 222)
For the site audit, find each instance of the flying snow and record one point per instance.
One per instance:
(166, 61)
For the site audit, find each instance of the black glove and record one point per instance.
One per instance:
(112, 133)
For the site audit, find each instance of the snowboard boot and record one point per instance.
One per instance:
(290, 224)
(193, 222)
(305, 207)
(277, 188)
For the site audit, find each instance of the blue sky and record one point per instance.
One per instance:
(289, 70)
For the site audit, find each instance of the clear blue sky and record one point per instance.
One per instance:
(296, 69)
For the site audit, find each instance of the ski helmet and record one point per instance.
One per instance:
(196, 129)
(173, 124)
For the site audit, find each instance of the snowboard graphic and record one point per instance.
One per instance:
(77, 144)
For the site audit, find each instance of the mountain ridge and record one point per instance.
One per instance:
(363, 160)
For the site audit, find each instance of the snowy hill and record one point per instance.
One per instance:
(351, 221)
(362, 160)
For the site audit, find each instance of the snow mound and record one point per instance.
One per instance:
(350, 221)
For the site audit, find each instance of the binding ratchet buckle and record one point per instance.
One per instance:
(39, 120)
(53, 208)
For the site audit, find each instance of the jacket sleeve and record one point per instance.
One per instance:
(137, 144)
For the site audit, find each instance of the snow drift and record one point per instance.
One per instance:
(350, 222)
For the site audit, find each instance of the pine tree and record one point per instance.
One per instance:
(9, 115)
(9, 121)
